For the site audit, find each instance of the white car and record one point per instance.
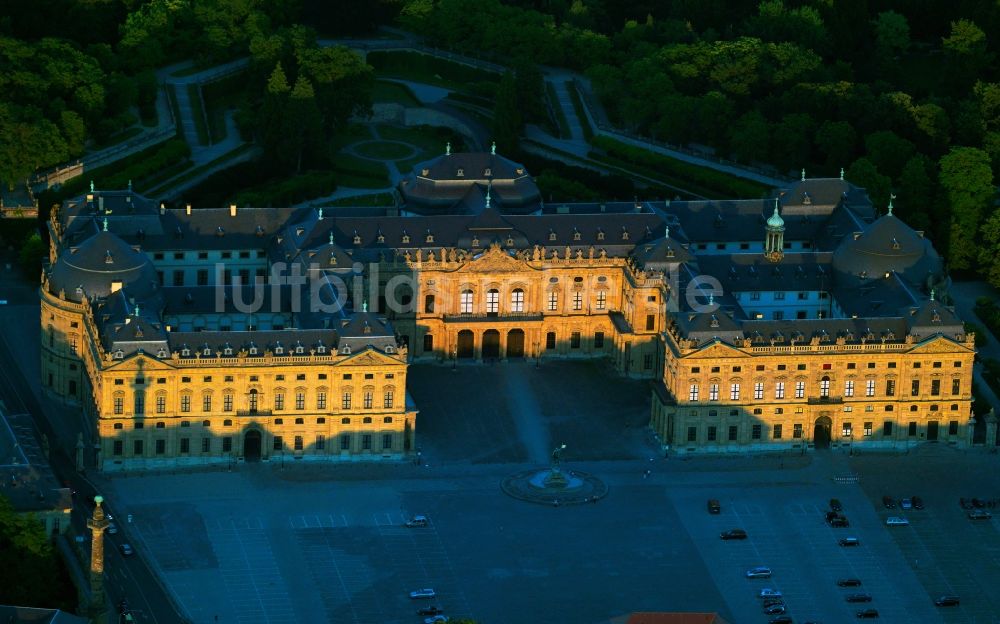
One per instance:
(423, 593)
(759, 572)
(896, 521)
(769, 592)
(112, 528)
(434, 619)
(417, 521)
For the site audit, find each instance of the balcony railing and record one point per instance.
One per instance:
(490, 316)
(253, 412)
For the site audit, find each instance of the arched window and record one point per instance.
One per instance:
(253, 400)
(466, 302)
(517, 300)
(492, 301)
(824, 387)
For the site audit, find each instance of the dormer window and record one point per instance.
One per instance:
(552, 235)
(206, 352)
(279, 350)
(345, 350)
(219, 231)
(600, 235)
(624, 234)
(429, 238)
(715, 321)
(119, 354)
(390, 349)
(299, 350)
(806, 199)
(895, 244)
(670, 252)
(425, 172)
(520, 171)
(510, 241)
(576, 234)
(108, 258)
(227, 351)
(357, 238)
(186, 352)
(460, 173)
(936, 318)
(475, 241)
(79, 290)
(259, 231)
(380, 238)
(162, 353)
(487, 172)
(406, 238)
(321, 349)
(253, 350)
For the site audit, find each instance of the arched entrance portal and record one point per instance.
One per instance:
(515, 343)
(491, 344)
(466, 344)
(251, 446)
(821, 432)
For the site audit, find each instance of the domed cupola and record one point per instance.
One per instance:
(101, 265)
(774, 239)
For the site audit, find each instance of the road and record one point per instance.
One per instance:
(130, 577)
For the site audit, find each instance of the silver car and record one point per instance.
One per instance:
(423, 593)
(759, 572)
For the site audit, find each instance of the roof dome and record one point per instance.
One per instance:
(775, 222)
(888, 245)
(100, 260)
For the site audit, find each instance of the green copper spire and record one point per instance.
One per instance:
(447, 149)
(493, 148)
(91, 186)
(891, 197)
(105, 224)
(841, 173)
(803, 174)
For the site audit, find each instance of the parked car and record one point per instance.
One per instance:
(918, 503)
(849, 582)
(775, 609)
(770, 602)
(434, 619)
(417, 521)
(781, 619)
(423, 593)
(126, 549)
(434, 610)
(733, 534)
(830, 515)
(835, 505)
(867, 614)
(888, 502)
(947, 601)
(769, 592)
(858, 598)
(849, 541)
(112, 528)
(979, 514)
(906, 504)
(896, 521)
(966, 503)
(759, 572)
(840, 522)
(978, 503)
(714, 507)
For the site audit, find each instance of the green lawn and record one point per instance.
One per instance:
(359, 173)
(386, 91)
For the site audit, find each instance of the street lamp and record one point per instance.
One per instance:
(454, 357)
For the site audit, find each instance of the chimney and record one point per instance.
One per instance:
(100, 203)
(232, 210)
(163, 208)
(187, 209)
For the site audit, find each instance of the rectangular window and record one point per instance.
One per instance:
(915, 387)
(178, 278)
(692, 434)
(887, 428)
(279, 401)
(185, 445)
(890, 387)
(553, 301)
(733, 432)
(386, 441)
(161, 446)
(713, 392)
(602, 299)
(206, 445)
(953, 428)
(650, 322)
(578, 300)
(797, 431)
(779, 390)
(139, 404)
(598, 340)
(227, 402)
(117, 447)
(321, 400)
(300, 400)
(366, 442)
(517, 300)
(227, 445)
(202, 277)
(868, 429)
(846, 429)
(320, 442)
(368, 399)
(870, 388)
(492, 301)
(345, 401)
(550, 340)
(428, 343)
(429, 304)
(734, 392)
(647, 361)
(387, 400)
(466, 302)
(956, 386)
(779, 295)
(758, 391)
(345, 442)
(574, 340)
(849, 388)
(278, 443)
(119, 405)
(137, 447)
(935, 387)
(298, 443)
(911, 430)
(185, 402)
(693, 392)
(711, 434)
(800, 389)
(755, 432)
(776, 432)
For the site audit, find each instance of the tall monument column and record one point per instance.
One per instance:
(97, 524)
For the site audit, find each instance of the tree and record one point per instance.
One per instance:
(888, 151)
(791, 141)
(836, 140)
(304, 124)
(530, 86)
(966, 180)
(30, 255)
(506, 116)
(989, 253)
(30, 571)
(916, 190)
(749, 137)
(270, 121)
(892, 35)
(965, 49)
(865, 174)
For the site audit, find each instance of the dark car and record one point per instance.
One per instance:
(947, 601)
(770, 602)
(965, 503)
(781, 619)
(737, 534)
(435, 610)
(867, 614)
(888, 502)
(835, 505)
(978, 504)
(979, 514)
(918, 503)
(858, 598)
(830, 515)
(840, 522)
(714, 507)
(849, 582)
(777, 609)
(848, 541)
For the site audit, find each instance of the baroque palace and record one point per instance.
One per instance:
(213, 335)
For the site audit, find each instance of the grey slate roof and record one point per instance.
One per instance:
(97, 262)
